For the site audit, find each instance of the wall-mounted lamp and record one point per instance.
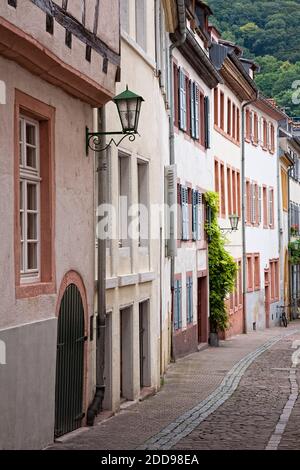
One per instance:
(129, 108)
(234, 223)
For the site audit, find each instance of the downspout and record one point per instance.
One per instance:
(96, 405)
(181, 40)
(243, 176)
(290, 266)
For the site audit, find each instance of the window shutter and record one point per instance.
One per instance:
(199, 216)
(195, 214)
(207, 121)
(197, 112)
(185, 213)
(176, 306)
(179, 303)
(171, 199)
(259, 205)
(189, 299)
(261, 130)
(193, 115)
(251, 125)
(182, 100)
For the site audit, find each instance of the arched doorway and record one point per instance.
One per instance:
(69, 362)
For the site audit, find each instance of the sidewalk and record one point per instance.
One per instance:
(188, 382)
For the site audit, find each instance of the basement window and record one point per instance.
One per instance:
(12, 3)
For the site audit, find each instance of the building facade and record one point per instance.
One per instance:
(136, 319)
(57, 63)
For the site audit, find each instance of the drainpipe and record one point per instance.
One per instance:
(181, 40)
(243, 176)
(96, 405)
(290, 266)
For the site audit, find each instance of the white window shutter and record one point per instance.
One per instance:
(171, 201)
(187, 218)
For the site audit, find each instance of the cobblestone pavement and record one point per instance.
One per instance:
(249, 418)
(243, 402)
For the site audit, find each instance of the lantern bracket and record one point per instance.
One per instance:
(93, 140)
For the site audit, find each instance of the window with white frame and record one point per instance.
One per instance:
(29, 198)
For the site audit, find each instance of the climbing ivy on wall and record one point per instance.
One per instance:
(222, 267)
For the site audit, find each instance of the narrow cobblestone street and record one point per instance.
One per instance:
(239, 396)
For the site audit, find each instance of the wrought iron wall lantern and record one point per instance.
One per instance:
(234, 222)
(129, 108)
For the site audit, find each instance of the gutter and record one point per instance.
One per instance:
(96, 405)
(179, 42)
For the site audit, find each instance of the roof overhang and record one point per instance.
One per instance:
(264, 105)
(195, 55)
(237, 79)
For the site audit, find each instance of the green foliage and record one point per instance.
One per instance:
(222, 268)
(294, 249)
(269, 32)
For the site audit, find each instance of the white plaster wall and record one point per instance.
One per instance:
(262, 168)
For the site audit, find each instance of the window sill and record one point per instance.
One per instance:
(228, 137)
(26, 291)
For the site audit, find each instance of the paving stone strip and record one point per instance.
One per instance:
(187, 422)
(276, 437)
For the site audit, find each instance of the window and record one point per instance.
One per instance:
(176, 91)
(238, 177)
(124, 199)
(255, 131)
(185, 213)
(259, 218)
(265, 206)
(222, 194)
(274, 273)
(229, 116)
(284, 189)
(234, 192)
(234, 121)
(177, 304)
(257, 271)
(248, 125)
(265, 134)
(222, 110)
(140, 23)
(34, 197)
(240, 291)
(238, 125)
(271, 208)
(248, 200)
(29, 198)
(189, 298)
(182, 101)
(216, 106)
(197, 216)
(272, 131)
(195, 110)
(143, 201)
(217, 184)
(249, 273)
(229, 192)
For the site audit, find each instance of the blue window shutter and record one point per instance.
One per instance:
(200, 221)
(175, 306)
(179, 297)
(195, 213)
(193, 115)
(189, 299)
(207, 121)
(197, 112)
